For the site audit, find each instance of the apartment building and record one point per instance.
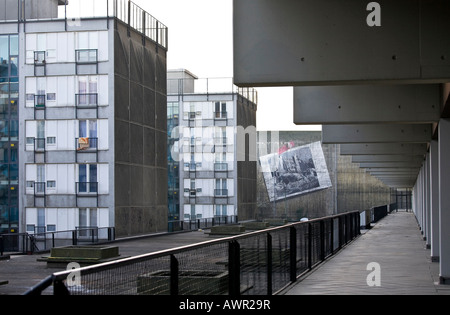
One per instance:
(85, 92)
(212, 147)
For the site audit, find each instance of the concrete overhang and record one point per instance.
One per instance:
(318, 42)
(412, 149)
(387, 133)
(393, 165)
(387, 158)
(367, 104)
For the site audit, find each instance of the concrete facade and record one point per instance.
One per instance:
(92, 117)
(215, 147)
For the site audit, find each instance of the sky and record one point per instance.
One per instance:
(201, 41)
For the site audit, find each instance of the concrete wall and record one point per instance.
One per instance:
(140, 134)
(33, 9)
(247, 170)
(352, 188)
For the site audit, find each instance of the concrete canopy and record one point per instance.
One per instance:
(310, 42)
(369, 104)
(388, 133)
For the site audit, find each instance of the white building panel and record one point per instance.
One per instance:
(60, 47)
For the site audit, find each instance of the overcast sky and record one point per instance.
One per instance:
(201, 41)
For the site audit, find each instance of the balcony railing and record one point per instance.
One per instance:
(39, 101)
(86, 144)
(221, 167)
(86, 100)
(39, 144)
(39, 188)
(220, 115)
(221, 192)
(86, 56)
(39, 58)
(83, 188)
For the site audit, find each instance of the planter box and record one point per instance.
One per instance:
(83, 255)
(189, 283)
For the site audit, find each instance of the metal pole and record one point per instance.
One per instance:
(293, 254)
(269, 264)
(174, 271)
(234, 261)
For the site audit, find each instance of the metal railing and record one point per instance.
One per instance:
(210, 86)
(204, 223)
(256, 263)
(29, 243)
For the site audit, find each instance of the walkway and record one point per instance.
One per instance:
(396, 244)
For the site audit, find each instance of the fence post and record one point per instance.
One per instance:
(322, 240)
(309, 246)
(174, 271)
(59, 288)
(269, 264)
(293, 253)
(234, 264)
(332, 236)
(74, 238)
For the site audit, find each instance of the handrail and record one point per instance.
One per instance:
(348, 229)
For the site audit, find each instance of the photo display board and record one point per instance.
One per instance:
(295, 171)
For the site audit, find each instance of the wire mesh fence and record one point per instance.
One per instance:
(255, 263)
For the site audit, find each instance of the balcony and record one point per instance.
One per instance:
(86, 188)
(220, 192)
(86, 100)
(40, 191)
(86, 145)
(86, 57)
(40, 63)
(221, 167)
(40, 104)
(220, 115)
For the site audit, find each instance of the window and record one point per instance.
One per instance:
(221, 210)
(51, 184)
(87, 132)
(87, 178)
(40, 140)
(221, 110)
(221, 187)
(41, 220)
(193, 212)
(87, 91)
(51, 97)
(51, 140)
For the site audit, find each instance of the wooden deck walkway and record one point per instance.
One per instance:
(396, 245)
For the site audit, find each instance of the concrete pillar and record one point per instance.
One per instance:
(427, 201)
(434, 200)
(420, 195)
(444, 200)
